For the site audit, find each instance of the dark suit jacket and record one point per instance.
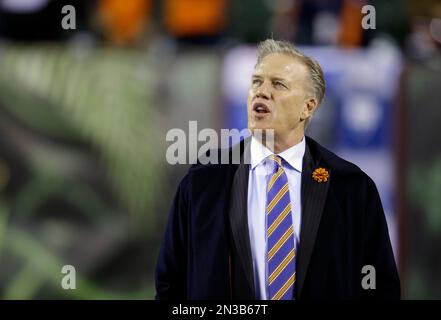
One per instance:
(206, 251)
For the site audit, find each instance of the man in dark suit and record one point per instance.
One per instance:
(291, 220)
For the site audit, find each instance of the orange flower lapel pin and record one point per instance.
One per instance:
(320, 175)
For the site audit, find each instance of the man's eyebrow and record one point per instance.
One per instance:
(272, 77)
(279, 78)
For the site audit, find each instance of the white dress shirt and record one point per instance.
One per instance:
(260, 171)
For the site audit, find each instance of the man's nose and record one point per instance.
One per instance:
(263, 92)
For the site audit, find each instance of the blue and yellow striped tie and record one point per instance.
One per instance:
(281, 253)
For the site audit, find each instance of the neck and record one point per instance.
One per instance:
(282, 143)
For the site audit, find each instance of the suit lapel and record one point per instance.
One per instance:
(239, 219)
(313, 196)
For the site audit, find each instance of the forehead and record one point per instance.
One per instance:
(281, 65)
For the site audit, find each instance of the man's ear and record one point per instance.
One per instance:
(309, 108)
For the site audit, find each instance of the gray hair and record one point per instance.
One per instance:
(277, 46)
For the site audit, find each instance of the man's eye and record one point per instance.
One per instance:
(280, 84)
(256, 82)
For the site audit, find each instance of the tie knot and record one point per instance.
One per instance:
(276, 159)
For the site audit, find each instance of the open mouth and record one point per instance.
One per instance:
(260, 108)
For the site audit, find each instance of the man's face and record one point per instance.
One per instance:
(279, 95)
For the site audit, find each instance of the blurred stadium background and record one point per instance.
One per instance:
(84, 114)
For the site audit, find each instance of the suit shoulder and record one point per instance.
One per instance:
(208, 166)
(218, 158)
(338, 165)
(347, 176)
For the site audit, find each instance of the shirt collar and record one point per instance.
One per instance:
(293, 155)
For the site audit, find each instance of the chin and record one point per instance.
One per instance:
(260, 127)
(252, 128)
